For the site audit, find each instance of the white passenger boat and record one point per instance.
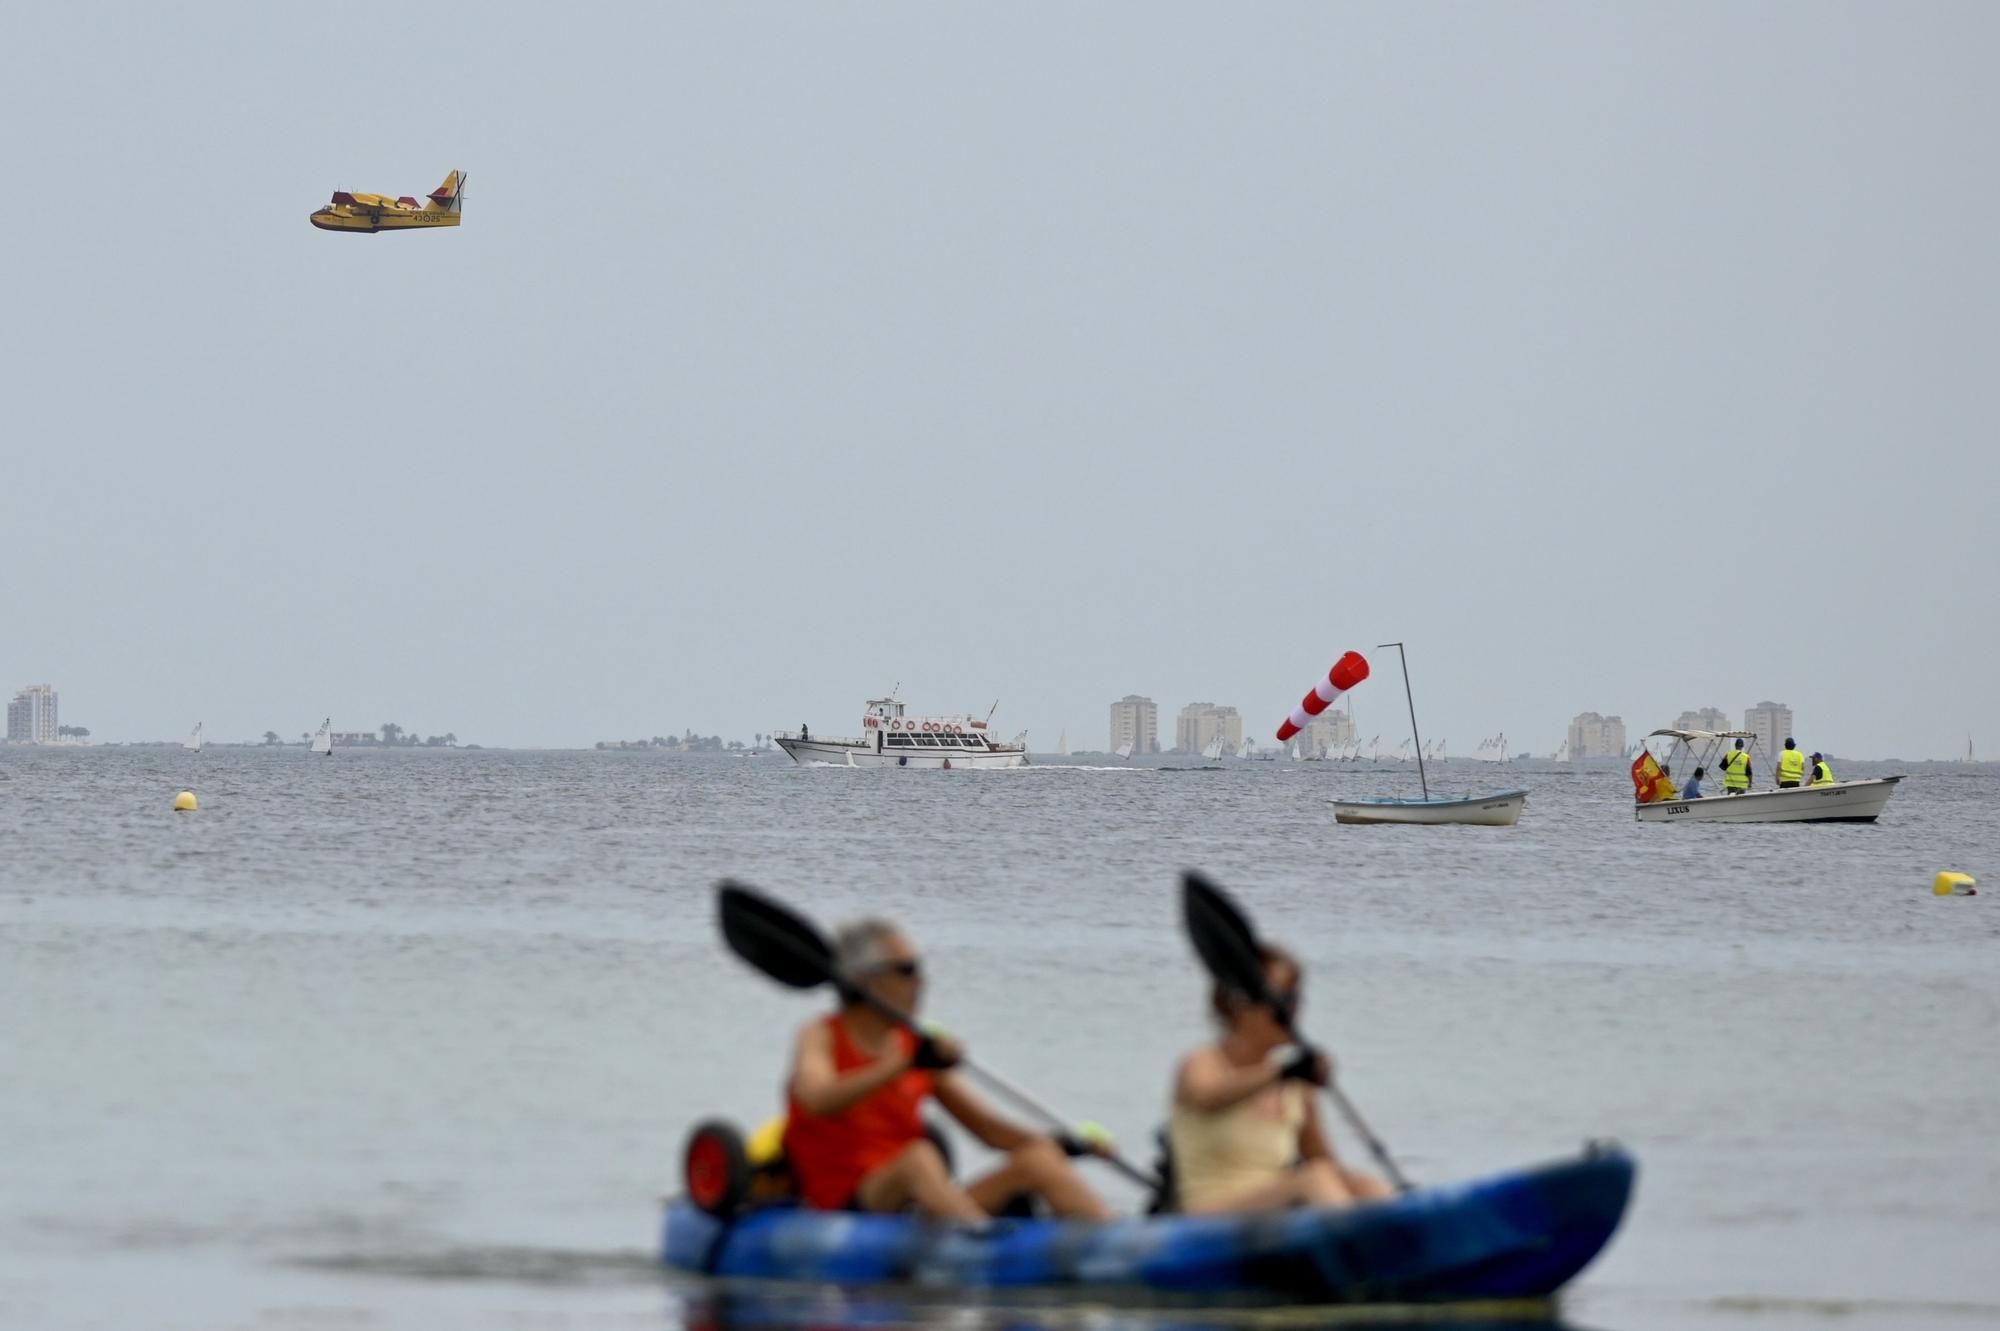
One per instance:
(890, 738)
(1836, 802)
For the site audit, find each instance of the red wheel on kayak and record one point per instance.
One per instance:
(714, 1167)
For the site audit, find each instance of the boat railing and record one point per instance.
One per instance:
(815, 737)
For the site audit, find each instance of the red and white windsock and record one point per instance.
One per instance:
(1348, 671)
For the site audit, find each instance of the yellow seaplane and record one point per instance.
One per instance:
(370, 213)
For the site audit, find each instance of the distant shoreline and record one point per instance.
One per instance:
(1077, 757)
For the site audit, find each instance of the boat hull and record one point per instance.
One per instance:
(853, 753)
(1841, 802)
(1516, 1235)
(1501, 809)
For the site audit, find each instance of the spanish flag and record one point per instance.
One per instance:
(1649, 783)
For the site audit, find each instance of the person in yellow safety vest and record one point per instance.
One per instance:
(1791, 767)
(1736, 771)
(1822, 774)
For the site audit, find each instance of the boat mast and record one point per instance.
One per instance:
(1411, 699)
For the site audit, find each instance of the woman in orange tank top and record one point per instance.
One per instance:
(854, 1128)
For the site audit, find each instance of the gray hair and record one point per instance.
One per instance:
(861, 946)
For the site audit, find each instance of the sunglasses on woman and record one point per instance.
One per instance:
(909, 970)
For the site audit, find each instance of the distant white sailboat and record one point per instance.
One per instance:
(1214, 750)
(193, 742)
(1123, 751)
(322, 743)
(1968, 750)
(1062, 744)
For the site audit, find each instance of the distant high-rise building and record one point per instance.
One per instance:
(1772, 722)
(31, 717)
(1202, 723)
(1708, 718)
(1328, 733)
(1594, 736)
(1135, 721)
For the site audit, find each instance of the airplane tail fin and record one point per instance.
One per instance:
(450, 196)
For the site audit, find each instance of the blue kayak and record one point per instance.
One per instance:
(1515, 1235)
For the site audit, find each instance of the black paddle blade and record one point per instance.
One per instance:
(1223, 938)
(773, 938)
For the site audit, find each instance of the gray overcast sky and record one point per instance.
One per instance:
(1624, 357)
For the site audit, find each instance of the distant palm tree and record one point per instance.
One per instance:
(270, 737)
(390, 732)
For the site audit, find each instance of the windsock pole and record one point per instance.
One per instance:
(1411, 699)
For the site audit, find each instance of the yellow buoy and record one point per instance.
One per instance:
(184, 802)
(1954, 885)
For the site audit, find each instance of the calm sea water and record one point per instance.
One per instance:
(409, 1040)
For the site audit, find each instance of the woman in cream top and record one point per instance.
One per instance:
(1245, 1130)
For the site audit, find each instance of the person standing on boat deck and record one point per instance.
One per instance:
(1822, 773)
(854, 1128)
(1245, 1133)
(1736, 771)
(804, 734)
(1693, 791)
(1791, 766)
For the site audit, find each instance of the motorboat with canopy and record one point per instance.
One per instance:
(1657, 796)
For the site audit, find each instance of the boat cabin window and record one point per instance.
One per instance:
(927, 739)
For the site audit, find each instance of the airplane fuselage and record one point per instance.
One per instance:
(367, 221)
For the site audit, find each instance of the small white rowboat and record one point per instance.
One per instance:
(1500, 809)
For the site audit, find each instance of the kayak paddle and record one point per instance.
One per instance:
(791, 950)
(1228, 947)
